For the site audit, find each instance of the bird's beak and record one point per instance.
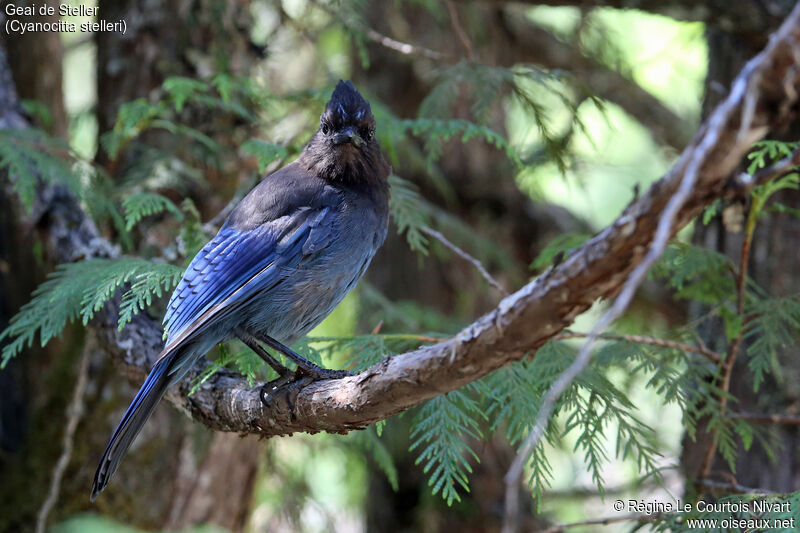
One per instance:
(348, 135)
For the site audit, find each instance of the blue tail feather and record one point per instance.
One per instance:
(135, 417)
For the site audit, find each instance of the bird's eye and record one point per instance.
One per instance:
(325, 128)
(366, 133)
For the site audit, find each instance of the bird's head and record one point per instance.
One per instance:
(347, 121)
(344, 148)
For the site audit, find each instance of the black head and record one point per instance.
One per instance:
(344, 148)
(347, 115)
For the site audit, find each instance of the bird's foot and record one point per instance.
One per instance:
(270, 388)
(317, 373)
(285, 391)
(290, 383)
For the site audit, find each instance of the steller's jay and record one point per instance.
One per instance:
(285, 257)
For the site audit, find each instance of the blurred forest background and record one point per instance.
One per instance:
(516, 130)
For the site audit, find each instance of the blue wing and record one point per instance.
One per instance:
(236, 264)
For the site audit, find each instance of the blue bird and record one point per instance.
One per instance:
(285, 257)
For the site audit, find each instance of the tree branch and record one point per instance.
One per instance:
(458, 29)
(520, 324)
(464, 255)
(381, 39)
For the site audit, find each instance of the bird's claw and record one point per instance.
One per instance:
(317, 373)
(295, 381)
(269, 388)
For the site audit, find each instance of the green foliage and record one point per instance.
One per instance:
(512, 396)
(37, 111)
(762, 323)
(266, 152)
(80, 290)
(775, 324)
(30, 155)
(591, 407)
(132, 119)
(181, 90)
(711, 210)
(436, 132)
(192, 234)
(667, 369)
(762, 194)
(442, 429)
(239, 357)
(488, 86)
(190, 133)
(370, 440)
(222, 93)
(775, 321)
(409, 212)
(225, 358)
(412, 213)
(509, 399)
(226, 85)
(766, 151)
(248, 364)
(603, 407)
(696, 273)
(148, 280)
(140, 205)
(526, 380)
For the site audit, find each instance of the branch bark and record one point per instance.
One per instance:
(520, 324)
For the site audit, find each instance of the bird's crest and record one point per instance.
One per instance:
(347, 104)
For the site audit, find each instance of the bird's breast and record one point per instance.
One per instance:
(309, 292)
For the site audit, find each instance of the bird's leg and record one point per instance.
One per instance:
(306, 370)
(304, 366)
(252, 343)
(284, 374)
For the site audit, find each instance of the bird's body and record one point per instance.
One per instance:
(351, 226)
(285, 257)
(277, 234)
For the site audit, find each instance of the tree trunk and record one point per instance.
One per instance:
(177, 474)
(36, 60)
